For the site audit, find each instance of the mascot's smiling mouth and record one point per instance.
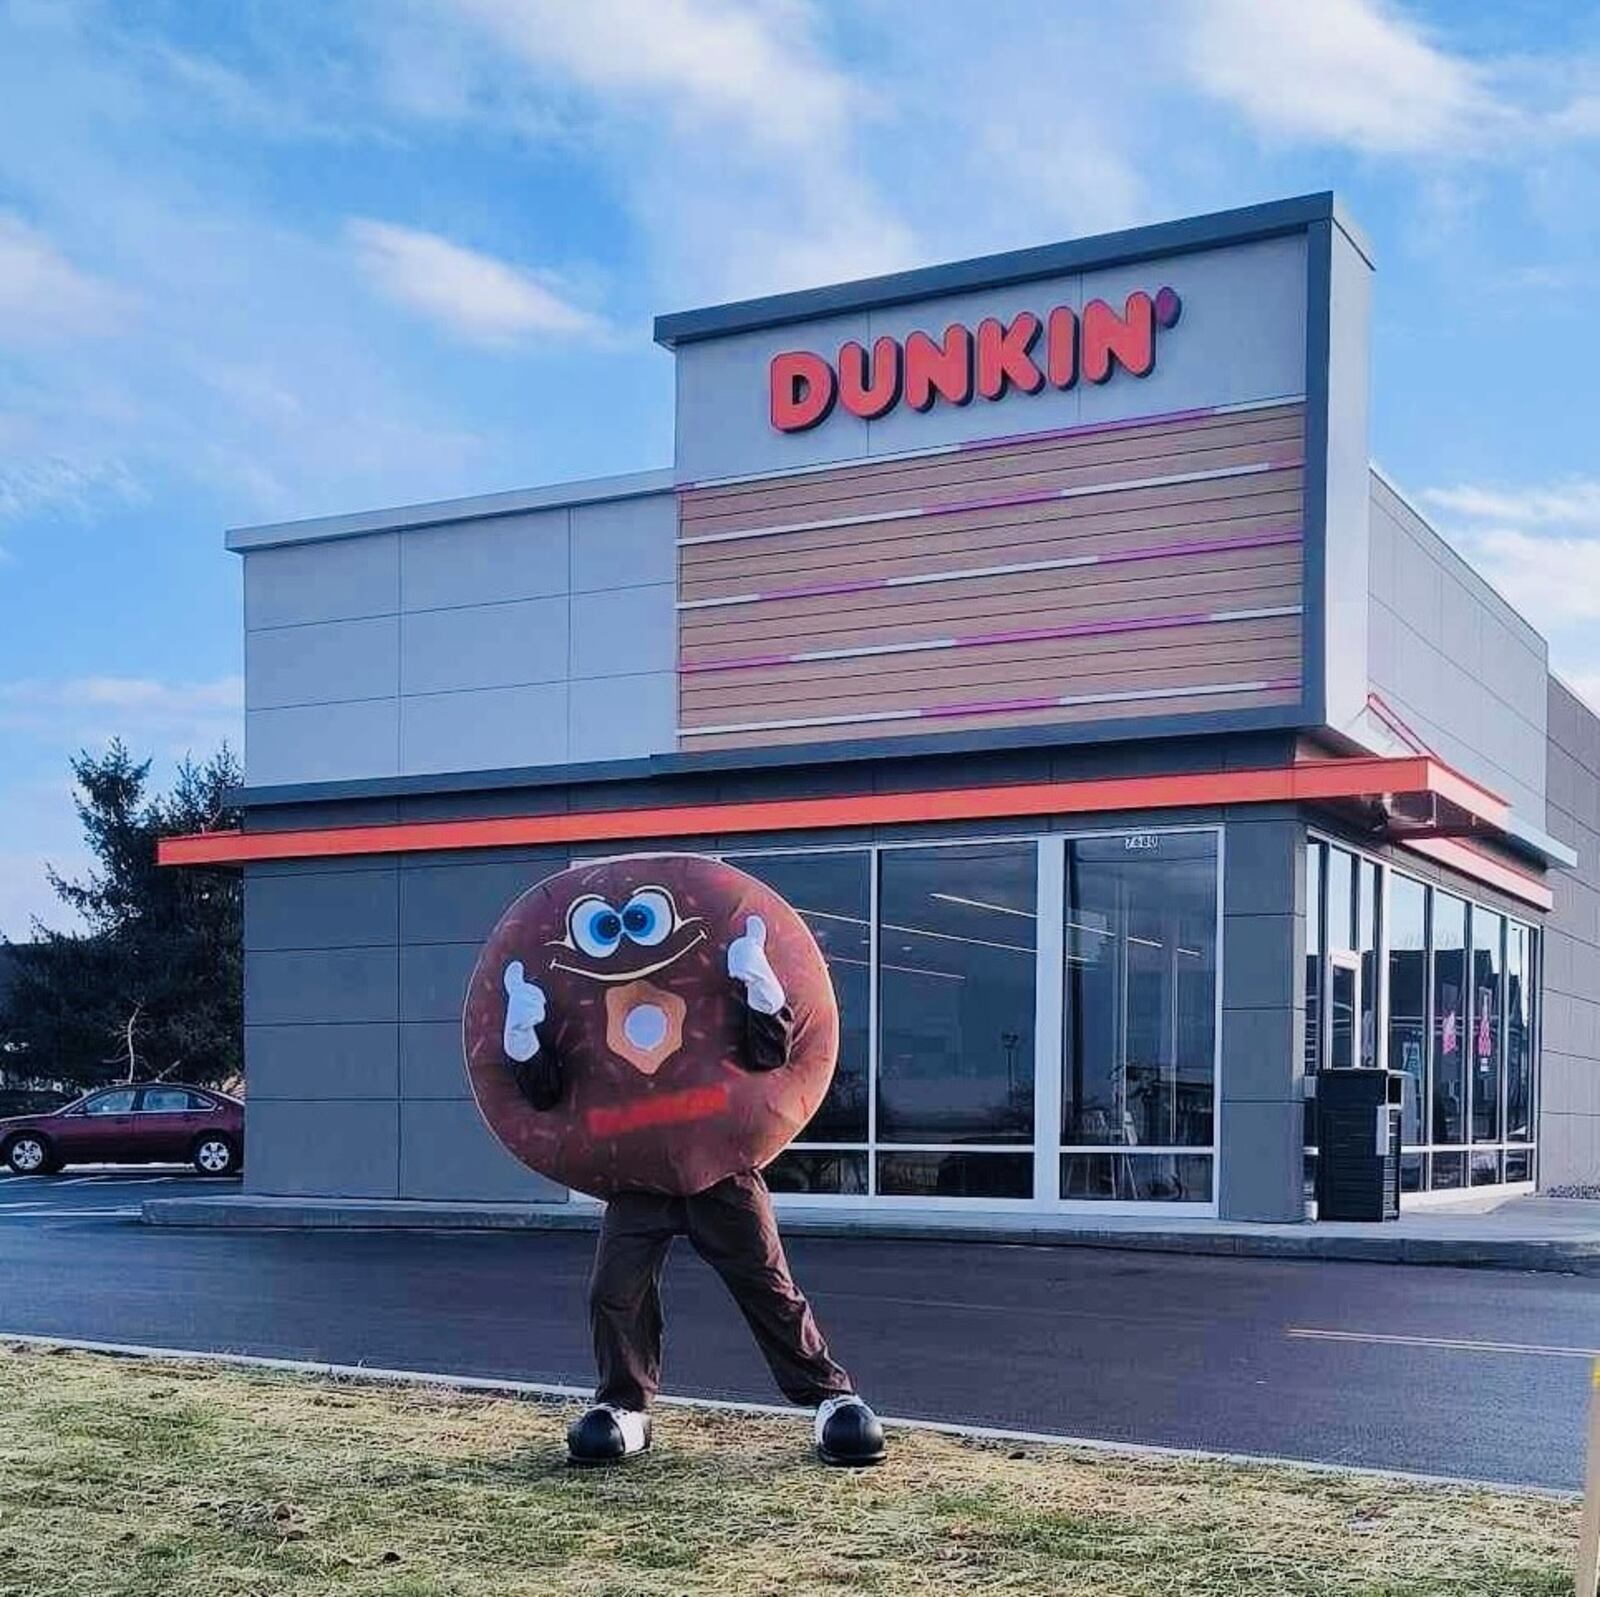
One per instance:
(633, 973)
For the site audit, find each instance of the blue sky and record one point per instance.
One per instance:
(277, 258)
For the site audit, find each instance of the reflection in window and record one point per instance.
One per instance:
(1341, 899)
(1368, 911)
(833, 894)
(1487, 930)
(818, 1170)
(166, 1101)
(1315, 853)
(109, 1103)
(956, 952)
(1137, 1177)
(1449, 1024)
(1140, 1013)
(1519, 1039)
(955, 1175)
(1408, 1002)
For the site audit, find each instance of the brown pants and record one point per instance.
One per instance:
(731, 1227)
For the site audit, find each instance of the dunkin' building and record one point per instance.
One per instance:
(1039, 627)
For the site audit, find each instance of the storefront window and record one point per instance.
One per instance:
(1368, 914)
(1315, 854)
(955, 1175)
(1449, 1022)
(1139, 1045)
(1408, 1010)
(1519, 1037)
(958, 934)
(1487, 1049)
(1443, 991)
(1341, 898)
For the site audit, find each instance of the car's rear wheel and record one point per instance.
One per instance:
(215, 1156)
(29, 1155)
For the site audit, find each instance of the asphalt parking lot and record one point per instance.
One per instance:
(99, 1192)
(1473, 1373)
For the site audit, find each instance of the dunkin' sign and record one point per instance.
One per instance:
(965, 363)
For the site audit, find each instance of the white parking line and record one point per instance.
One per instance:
(552, 1389)
(1449, 1343)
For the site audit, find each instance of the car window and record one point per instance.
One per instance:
(167, 1101)
(110, 1103)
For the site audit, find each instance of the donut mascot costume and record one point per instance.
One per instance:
(653, 1030)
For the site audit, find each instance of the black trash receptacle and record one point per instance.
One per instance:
(1358, 1144)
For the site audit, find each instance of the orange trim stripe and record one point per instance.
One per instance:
(1306, 782)
(1469, 861)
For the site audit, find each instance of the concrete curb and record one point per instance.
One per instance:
(1572, 1256)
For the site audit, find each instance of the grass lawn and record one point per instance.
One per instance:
(127, 1479)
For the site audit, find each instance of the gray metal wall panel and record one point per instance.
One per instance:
(323, 1149)
(1242, 337)
(431, 1063)
(1345, 566)
(336, 984)
(1453, 660)
(310, 1061)
(459, 901)
(322, 662)
(488, 729)
(433, 979)
(445, 1148)
(485, 562)
(1569, 1103)
(1263, 1017)
(484, 646)
(323, 742)
(322, 582)
(624, 631)
(623, 717)
(341, 686)
(625, 542)
(339, 909)
(1269, 1136)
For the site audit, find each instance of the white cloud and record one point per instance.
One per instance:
(171, 718)
(1352, 72)
(1540, 546)
(33, 484)
(1574, 503)
(750, 65)
(1555, 581)
(477, 297)
(1586, 684)
(43, 296)
(723, 126)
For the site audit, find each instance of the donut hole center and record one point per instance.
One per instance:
(645, 1026)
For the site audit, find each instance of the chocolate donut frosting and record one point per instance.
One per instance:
(663, 1078)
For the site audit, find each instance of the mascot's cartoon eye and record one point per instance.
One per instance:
(649, 917)
(594, 927)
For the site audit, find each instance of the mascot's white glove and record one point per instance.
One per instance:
(524, 1011)
(748, 963)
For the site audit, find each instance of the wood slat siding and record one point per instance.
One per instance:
(1147, 619)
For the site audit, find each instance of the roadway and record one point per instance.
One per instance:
(1481, 1374)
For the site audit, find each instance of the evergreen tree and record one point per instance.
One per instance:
(151, 987)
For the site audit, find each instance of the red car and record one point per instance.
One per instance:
(153, 1122)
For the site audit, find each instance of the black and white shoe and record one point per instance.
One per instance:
(607, 1435)
(848, 1433)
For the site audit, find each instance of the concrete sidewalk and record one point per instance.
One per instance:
(1522, 1233)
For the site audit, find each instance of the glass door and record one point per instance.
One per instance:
(1343, 1015)
(1139, 1018)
